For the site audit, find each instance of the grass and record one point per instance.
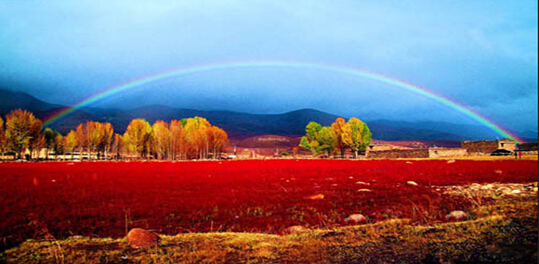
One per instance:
(502, 231)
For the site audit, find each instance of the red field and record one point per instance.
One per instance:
(105, 198)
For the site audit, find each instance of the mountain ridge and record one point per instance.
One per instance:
(243, 125)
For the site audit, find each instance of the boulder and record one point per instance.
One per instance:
(295, 229)
(356, 219)
(316, 197)
(412, 183)
(362, 183)
(141, 238)
(457, 216)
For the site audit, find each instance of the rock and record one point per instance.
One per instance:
(451, 161)
(362, 183)
(457, 216)
(412, 183)
(364, 190)
(356, 219)
(141, 238)
(409, 162)
(295, 229)
(316, 197)
(487, 187)
(515, 191)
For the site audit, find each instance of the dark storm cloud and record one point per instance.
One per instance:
(480, 53)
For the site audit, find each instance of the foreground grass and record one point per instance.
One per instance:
(505, 231)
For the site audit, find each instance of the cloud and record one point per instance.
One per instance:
(479, 53)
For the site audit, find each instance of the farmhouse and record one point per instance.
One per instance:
(488, 146)
(529, 148)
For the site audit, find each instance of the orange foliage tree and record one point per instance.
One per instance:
(22, 131)
(188, 138)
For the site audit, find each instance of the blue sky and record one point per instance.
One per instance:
(482, 54)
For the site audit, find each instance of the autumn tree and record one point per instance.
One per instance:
(58, 145)
(196, 135)
(70, 142)
(49, 136)
(177, 139)
(343, 134)
(2, 138)
(118, 145)
(22, 131)
(80, 133)
(160, 139)
(219, 141)
(137, 135)
(94, 134)
(106, 138)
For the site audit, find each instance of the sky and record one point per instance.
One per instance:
(481, 54)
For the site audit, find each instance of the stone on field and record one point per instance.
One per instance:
(451, 161)
(316, 197)
(362, 183)
(356, 219)
(457, 216)
(295, 229)
(412, 183)
(140, 238)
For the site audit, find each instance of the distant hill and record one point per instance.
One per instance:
(244, 125)
(10, 100)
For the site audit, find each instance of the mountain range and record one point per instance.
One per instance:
(244, 125)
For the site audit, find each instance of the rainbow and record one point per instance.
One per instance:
(284, 64)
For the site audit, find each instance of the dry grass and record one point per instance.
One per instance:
(505, 231)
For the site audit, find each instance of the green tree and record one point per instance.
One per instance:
(357, 127)
(327, 140)
(22, 130)
(310, 140)
(366, 137)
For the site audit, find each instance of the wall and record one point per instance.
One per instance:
(447, 152)
(399, 153)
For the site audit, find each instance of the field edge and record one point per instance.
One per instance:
(505, 231)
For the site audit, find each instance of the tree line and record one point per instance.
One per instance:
(187, 138)
(341, 135)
